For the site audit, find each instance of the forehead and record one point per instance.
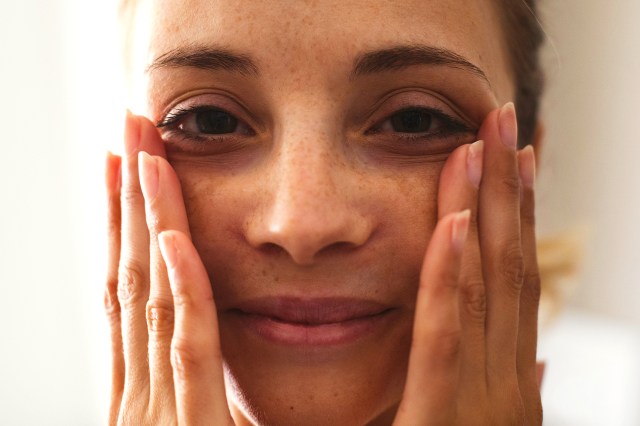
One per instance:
(311, 37)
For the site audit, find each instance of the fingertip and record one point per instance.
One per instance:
(112, 173)
(150, 137)
(460, 229)
(527, 166)
(148, 171)
(168, 248)
(474, 162)
(131, 133)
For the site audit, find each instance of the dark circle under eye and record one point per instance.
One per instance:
(215, 122)
(411, 121)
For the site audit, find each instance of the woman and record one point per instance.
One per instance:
(326, 218)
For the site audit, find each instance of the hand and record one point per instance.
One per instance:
(473, 357)
(167, 364)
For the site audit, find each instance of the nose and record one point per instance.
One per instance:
(309, 204)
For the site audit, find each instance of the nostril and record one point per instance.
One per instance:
(305, 256)
(272, 249)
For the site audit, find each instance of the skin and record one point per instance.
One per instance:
(312, 204)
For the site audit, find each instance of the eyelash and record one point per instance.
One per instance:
(178, 114)
(450, 125)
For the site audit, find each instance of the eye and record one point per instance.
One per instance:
(411, 121)
(211, 122)
(417, 121)
(199, 122)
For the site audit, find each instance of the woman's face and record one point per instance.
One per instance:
(310, 173)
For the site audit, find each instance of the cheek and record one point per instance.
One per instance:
(401, 203)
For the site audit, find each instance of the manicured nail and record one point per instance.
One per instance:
(148, 167)
(131, 134)
(113, 173)
(508, 125)
(527, 167)
(460, 229)
(168, 249)
(474, 163)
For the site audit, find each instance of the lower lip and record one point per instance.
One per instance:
(304, 335)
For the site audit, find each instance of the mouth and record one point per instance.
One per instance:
(311, 322)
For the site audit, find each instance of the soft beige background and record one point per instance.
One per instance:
(60, 110)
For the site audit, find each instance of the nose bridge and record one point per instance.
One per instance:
(306, 164)
(308, 208)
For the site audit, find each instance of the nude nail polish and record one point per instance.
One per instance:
(474, 163)
(168, 249)
(148, 167)
(460, 229)
(527, 167)
(508, 125)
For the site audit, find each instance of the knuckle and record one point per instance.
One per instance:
(131, 195)
(532, 287)
(160, 316)
(111, 304)
(182, 299)
(511, 185)
(474, 300)
(512, 267)
(184, 360)
(447, 343)
(131, 285)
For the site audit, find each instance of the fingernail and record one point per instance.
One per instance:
(148, 167)
(460, 229)
(168, 249)
(508, 125)
(131, 133)
(474, 163)
(112, 177)
(527, 167)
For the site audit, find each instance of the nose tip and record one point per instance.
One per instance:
(305, 237)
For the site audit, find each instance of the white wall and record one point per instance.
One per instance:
(60, 111)
(591, 168)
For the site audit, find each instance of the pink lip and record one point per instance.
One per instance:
(311, 322)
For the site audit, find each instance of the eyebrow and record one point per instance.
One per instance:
(399, 57)
(215, 58)
(207, 58)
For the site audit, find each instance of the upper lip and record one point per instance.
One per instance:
(311, 311)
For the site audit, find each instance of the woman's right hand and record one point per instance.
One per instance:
(167, 363)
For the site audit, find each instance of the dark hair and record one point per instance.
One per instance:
(524, 37)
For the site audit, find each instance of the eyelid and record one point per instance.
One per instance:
(415, 98)
(225, 102)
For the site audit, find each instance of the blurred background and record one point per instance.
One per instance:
(63, 106)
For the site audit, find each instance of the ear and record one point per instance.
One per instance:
(538, 142)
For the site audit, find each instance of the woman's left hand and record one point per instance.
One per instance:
(473, 357)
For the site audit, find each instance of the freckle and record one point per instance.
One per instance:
(264, 273)
(276, 279)
(291, 407)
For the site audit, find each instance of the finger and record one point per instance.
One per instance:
(133, 274)
(165, 210)
(499, 233)
(459, 183)
(530, 294)
(112, 307)
(432, 380)
(540, 369)
(195, 351)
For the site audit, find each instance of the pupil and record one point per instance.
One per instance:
(411, 121)
(215, 122)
